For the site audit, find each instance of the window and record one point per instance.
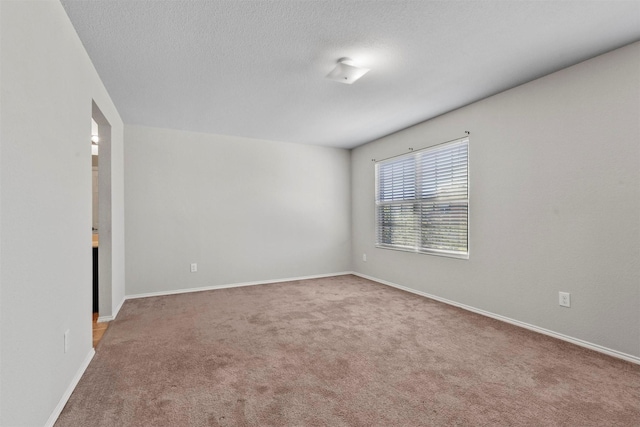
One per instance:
(422, 201)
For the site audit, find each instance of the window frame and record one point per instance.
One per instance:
(418, 203)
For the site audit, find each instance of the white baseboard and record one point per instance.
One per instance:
(233, 285)
(117, 310)
(102, 319)
(67, 394)
(576, 341)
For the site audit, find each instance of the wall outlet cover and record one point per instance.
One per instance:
(66, 340)
(565, 299)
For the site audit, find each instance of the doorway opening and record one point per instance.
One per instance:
(101, 222)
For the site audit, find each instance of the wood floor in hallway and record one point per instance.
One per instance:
(99, 328)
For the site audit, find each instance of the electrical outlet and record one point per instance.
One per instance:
(66, 340)
(364, 257)
(194, 267)
(565, 299)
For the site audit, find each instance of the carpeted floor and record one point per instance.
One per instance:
(340, 351)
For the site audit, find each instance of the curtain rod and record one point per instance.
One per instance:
(467, 133)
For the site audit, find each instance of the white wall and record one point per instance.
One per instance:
(555, 204)
(245, 210)
(47, 87)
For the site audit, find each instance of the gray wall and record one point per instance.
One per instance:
(555, 204)
(47, 87)
(245, 210)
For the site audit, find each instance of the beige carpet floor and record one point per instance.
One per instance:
(340, 351)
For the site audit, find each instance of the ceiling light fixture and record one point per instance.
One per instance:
(346, 72)
(95, 137)
(94, 144)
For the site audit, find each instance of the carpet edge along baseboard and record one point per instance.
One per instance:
(577, 341)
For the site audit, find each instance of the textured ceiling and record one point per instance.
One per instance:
(256, 68)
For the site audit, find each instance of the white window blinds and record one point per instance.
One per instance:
(422, 200)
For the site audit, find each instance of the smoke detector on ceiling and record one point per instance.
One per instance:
(346, 72)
